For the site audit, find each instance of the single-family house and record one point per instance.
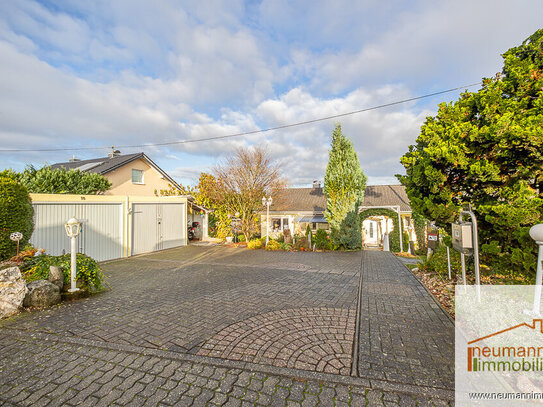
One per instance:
(296, 208)
(137, 175)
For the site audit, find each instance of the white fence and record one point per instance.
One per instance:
(113, 226)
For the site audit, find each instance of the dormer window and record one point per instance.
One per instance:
(137, 176)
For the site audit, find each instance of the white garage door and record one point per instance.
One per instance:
(101, 232)
(157, 226)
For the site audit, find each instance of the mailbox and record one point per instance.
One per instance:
(462, 237)
(433, 239)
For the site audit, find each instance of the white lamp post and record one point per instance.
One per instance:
(73, 227)
(536, 233)
(267, 202)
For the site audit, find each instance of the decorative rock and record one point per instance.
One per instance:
(56, 276)
(42, 293)
(12, 291)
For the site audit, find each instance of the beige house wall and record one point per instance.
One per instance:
(295, 227)
(121, 180)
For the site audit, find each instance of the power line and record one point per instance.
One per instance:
(248, 133)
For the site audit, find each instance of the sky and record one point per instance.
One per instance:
(102, 73)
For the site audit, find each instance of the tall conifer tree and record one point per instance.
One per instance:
(344, 184)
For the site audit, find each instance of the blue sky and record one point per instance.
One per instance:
(78, 73)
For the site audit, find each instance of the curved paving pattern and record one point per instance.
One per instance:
(317, 339)
(136, 344)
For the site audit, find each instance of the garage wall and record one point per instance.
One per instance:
(113, 226)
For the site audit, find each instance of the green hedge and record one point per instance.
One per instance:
(16, 215)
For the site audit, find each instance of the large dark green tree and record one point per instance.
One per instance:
(59, 181)
(486, 149)
(344, 185)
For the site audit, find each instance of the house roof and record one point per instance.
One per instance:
(299, 200)
(105, 165)
(387, 195)
(314, 200)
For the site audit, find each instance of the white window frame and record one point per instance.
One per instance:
(142, 182)
(281, 223)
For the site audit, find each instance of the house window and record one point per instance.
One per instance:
(279, 224)
(285, 223)
(137, 176)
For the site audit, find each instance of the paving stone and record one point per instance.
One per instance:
(93, 348)
(394, 305)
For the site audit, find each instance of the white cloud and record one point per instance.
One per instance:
(136, 72)
(432, 42)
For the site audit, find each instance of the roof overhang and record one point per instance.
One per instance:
(311, 219)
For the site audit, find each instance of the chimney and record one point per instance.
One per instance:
(113, 153)
(316, 184)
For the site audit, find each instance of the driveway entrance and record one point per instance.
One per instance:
(356, 322)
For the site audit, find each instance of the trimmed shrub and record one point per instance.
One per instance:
(405, 241)
(322, 240)
(349, 235)
(273, 245)
(285, 246)
(301, 244)
(88, 270)
(308, 232)
(438, 262)
(16, 215)
(255, 244)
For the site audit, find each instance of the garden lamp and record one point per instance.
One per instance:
(536, 233)
(267, 202)
(16, 237)
(73, 227)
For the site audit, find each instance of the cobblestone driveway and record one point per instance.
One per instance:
(218, 325)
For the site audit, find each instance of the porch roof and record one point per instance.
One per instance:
(311, 219)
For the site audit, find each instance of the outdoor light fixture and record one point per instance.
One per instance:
(73, 227)
(267, 202)
(536, 233)
(16, 237)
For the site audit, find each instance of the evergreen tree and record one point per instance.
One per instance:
(486, 149)
(344, 184)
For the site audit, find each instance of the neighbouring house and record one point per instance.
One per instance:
(296, 208)
(129, 174)
(137, 175)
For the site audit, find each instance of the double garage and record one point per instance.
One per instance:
(112, 226)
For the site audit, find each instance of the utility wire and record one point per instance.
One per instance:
(248, 133)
